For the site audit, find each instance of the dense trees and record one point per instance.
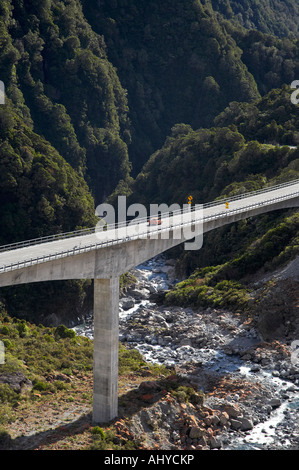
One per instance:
(272, 119)
(279, 17)
(178, 63)
(248, 139)
(52, 62)
(39, 192)
(183, 62)
(65, 66)
(187, 97)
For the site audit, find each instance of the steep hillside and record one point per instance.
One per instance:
(178, 63)
(246, 143)
(182, 62)
(269, 16)
(62, 147)
(55, 68)
(104, 82)
(40, 194)
(156, 100)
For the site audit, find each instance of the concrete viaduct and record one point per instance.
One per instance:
(105, 255)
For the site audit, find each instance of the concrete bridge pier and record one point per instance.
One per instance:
(106, 340)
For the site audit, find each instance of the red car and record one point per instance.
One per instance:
(154, 221)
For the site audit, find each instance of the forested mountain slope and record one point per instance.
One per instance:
(182, 62)
(176, 61)
(279, 17)
(247, 139)
(40, 194)
(55, 69)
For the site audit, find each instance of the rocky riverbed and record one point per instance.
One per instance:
(256, 383)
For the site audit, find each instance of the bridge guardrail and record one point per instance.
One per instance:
(91, 230)
(107, 243)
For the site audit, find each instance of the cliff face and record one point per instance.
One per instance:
(277, 306)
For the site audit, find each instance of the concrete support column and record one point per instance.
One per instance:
(106, 338)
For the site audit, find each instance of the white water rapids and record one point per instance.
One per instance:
(280, 427)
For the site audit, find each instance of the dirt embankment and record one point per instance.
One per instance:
(277, 302)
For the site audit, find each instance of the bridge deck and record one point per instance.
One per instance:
(122, 234)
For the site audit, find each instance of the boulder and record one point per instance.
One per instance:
(224, 418)
(236, 424)
(246, 424)
(275, 402)
(152, 289)
(16, 380)
(139, 294)
(215, 443)
(233, 410)
(127, 303)
(196, 432)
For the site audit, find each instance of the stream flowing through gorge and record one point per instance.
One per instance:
(206, 345)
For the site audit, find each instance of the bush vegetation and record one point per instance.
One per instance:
(45, 352)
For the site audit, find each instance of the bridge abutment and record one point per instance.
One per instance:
(106, 340)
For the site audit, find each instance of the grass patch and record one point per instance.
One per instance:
(198, 291)
(59, 365)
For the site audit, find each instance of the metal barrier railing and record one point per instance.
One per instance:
(92, 246)
(88, 231)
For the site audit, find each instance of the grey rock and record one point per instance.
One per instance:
(152, 289)
(236, 424)
(215, 443)
(246, 425)
(127, 303)
(233, 410)
(275, 402)
(196, 432)
(16, 380)
(139, 294)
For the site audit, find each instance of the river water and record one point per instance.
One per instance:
(274, 427)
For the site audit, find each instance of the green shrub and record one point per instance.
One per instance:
(7, 394)
(70, 399)
(41, 386)
(8, 344)
(129, 360)
(99, 432)
(63, 332)
(49, 338)
(4, 330)
(60, 385)
(23, 330)
(197, 291)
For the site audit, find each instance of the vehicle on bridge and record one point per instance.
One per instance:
(155, 221)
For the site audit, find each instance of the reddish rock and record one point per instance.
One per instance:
(147, 397)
